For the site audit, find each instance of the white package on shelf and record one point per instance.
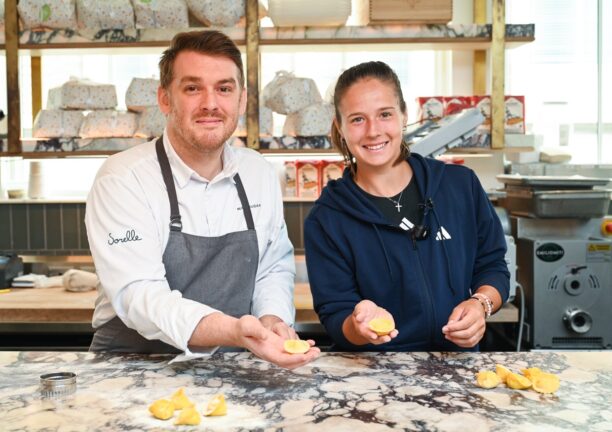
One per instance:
(107, 14)
(55, 14)
(314, 120)
(108, 124)
(83, 95)
(141, 93)
(151, 123)
(171, 14)
(57, 123)
(224, 13)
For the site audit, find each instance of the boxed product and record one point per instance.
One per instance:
(224, 13)
(151, 123)
(431, 108)
(331, 170)
(108, 124)
(287, 94)
(82, 95)
(514, 110)
(171, 14)
(456, 104)
(290, 183)
(57, 123)
(308, 181)
(265, 123)
(514, 114)
(109, 14)
(55, 14)
(411, 12)
(141, 93)
(309, 12)
(314, 120)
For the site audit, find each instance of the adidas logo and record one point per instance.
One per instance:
(406, 225)
(442, 234)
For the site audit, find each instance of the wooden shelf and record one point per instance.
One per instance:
(470, 36)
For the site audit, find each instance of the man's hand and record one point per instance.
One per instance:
(466, 324)
(356, 328)
(278, 326)
(250, 333)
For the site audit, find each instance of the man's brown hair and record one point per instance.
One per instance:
(209, 42)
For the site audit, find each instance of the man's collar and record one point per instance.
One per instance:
(183, 173)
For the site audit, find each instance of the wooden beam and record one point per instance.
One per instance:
(252, 55)
(498, 74)
(479, 67)
(11, 31)
(35, 69)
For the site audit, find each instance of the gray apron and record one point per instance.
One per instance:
(216, 271)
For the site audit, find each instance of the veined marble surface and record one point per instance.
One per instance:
(337, 392)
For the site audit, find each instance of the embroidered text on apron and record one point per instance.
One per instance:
(216, 271)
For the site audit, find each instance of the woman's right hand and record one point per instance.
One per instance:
(356, 326)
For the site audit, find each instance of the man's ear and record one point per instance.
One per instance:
(163, 100)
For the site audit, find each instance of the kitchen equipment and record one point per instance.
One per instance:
(11, 266)
(564, 260)
(58, 384)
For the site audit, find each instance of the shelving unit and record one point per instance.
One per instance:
(252, 38)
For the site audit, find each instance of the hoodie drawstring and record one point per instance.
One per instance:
(382, 244)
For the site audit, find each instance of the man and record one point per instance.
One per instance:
(186, 232)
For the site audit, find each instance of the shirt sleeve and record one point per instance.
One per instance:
(127, 248)
(273, 293)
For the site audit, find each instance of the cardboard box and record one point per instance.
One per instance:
(330, 170)
(431, 108)
(308, 179)
(456, 104)
(411, 11)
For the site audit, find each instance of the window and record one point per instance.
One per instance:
(565, 75)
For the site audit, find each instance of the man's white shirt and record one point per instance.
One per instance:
(128, 216)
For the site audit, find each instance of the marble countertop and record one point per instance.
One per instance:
(337, 392)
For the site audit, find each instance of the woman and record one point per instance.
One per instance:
(399, 236)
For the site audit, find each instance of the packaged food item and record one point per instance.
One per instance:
(265, 123)
(108, 14)
(313, 120)
(308, 182)
(57, 123)
(108, 124)
(54, 14)
(141, 93)
(456, 104)
(287, 94)
(431, 108)
(331, 170)
(82, 94)
(515, 114)
(290, 183)
(309, 12)
(171, 14)
(151, 123)
(224, 13)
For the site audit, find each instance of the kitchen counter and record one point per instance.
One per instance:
(337, 392)
(56, 305)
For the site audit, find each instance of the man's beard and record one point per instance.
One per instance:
(208, 142)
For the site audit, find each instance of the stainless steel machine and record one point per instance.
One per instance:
(564, 257)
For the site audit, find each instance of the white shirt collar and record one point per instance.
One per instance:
(183, 173)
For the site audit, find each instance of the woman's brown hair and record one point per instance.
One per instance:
(374, 69)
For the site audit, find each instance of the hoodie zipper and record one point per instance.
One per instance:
(429, 295)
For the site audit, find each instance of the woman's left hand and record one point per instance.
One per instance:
(466, 324)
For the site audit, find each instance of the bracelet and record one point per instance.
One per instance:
(486, 303)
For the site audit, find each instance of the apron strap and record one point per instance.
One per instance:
(246, 208)
(162, 157)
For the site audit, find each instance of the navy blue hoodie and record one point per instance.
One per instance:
(353, 253)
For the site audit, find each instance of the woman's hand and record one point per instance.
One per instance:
(356, 326)
(466, 324)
